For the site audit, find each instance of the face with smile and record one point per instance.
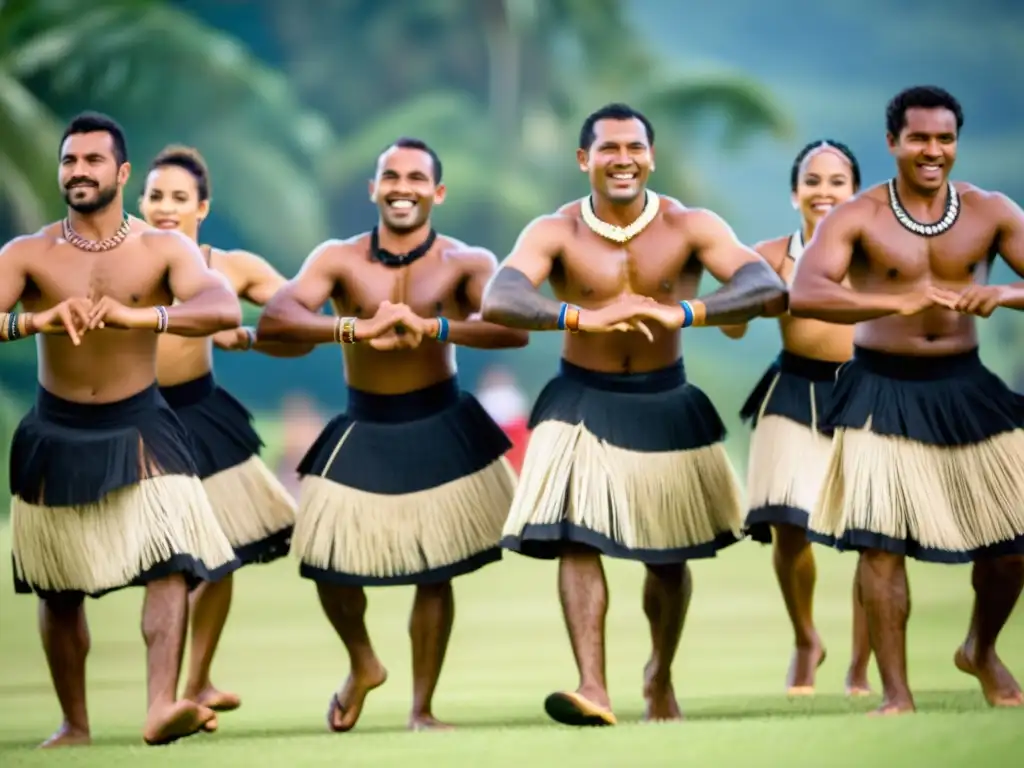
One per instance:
(404, 188)
(90, 177)
(925, 148)
(619, 161)
(171, 200)
(825, 180)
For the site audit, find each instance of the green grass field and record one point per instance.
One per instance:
(508, 651)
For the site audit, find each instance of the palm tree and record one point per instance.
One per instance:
(508, 148)
(168, 78)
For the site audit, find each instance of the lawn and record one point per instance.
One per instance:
(508, 651)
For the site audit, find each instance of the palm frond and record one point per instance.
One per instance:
(29, 136)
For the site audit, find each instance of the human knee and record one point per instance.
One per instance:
(63, 604)
(434, 590)
(571, 551)
(1006, 569)
(346, 601)
(790, 541)
(669, 576)
(880, 563)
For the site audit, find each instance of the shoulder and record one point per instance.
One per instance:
(989, 201)
(167, 242)
(236, 260)
(859, 209)
(694, 220)
(469, 258)
(774, 251)
(552, 228)
(30, 246)
(338, 251)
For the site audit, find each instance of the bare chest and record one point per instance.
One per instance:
(892, 252)
(131, 275)
(652, 264)
(428, 288)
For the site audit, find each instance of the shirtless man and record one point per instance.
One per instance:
(410, 485)
(626, 458)
(104, 487)
(928, 457)
(788, 452)
(253, 508)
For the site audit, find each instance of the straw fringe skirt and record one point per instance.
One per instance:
(928, 460)
(107, 496)
(252, 507)
(788, 452)
(403, 489)
(630, 464)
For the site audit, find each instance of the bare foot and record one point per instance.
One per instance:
(660, 698)
(857, 684)
(168, 723)
(428, 723)
(218, 701)
(802, 669)
(891, 708)
(998, 685)
(347, 705)
(66, 736)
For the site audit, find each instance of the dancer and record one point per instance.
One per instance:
(626, 457)
(252, 507)
(788, 453)
(104, 486)
(410, 484)
(928, 454)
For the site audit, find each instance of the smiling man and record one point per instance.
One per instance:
(928, 455)
(410, 485)
(626, 458)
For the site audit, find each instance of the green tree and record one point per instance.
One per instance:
(503, 107)
(167, 78)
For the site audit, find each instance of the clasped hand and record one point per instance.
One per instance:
(77, 316)
(394, 326)
(629, 313)
(980, 300)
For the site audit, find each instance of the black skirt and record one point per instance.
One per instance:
(950, 402)
(70, 454)
(655, 412)
(394, 445)
(799, 389)
(222, 437)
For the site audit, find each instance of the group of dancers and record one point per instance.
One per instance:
(877, 429)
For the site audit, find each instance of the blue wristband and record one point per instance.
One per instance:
(442, 329)
(687, 314)
(561, 316)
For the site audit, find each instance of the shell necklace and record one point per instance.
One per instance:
(96, 246)
(616, 233)
(948, 219)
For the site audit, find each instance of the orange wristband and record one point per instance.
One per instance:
(572, 319)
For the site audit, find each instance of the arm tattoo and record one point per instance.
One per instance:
(745, 296)
(511, 300)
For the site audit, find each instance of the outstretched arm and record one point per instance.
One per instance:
(258, 283)
(1011, 247)
(474, 331)
(12, 285)
(207, 303)
(817, 291)
(751, 288)
(293, 313)
(512, 298)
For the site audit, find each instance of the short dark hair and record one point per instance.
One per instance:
(407, 142)
(612, 112)
(845, 151)
(920, 97)
(188, 159)
(97, 122)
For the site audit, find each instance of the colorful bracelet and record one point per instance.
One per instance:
(251, 335)
(687, 314)
(161, 319)
(348, 330)
(10, 326)
(442, 329)
(569, 318)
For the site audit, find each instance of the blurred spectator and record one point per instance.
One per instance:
(301, 423)
(502, 398)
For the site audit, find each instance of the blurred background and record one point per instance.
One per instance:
(291, 101)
